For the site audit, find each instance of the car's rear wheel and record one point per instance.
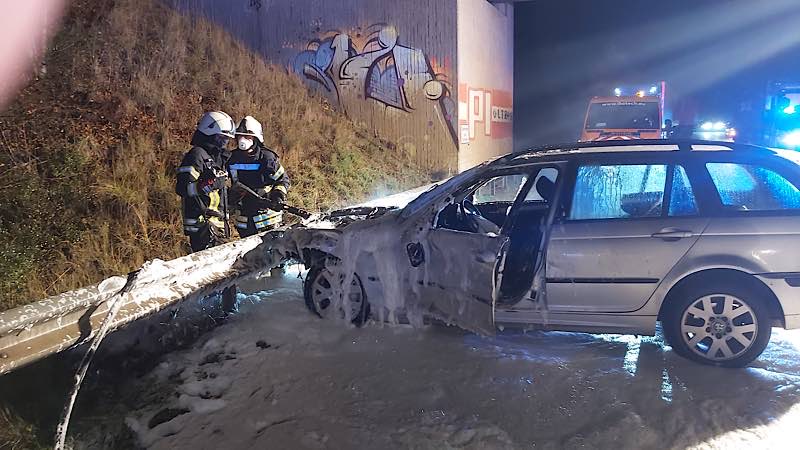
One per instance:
(320, 295)
(718, 324)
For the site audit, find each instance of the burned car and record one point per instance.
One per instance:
(593, 237)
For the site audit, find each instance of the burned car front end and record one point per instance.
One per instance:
(374, 259)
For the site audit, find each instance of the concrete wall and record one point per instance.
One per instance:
(394, 66)
(485, 81)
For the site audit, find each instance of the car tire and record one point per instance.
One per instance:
(718, 323)
(318, 277)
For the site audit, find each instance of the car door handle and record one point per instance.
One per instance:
(672, 234)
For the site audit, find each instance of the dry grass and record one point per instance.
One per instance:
(88, 151)
(16, 434)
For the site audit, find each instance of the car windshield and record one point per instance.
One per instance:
(435, 191)
(623, 115)
(440, 189)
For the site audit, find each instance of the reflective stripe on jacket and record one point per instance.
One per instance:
(261, 171)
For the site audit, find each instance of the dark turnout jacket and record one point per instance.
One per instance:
(261, 171)
(197, 184)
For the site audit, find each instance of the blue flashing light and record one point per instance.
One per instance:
(791, 109)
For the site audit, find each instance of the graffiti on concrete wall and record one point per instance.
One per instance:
(487, 112)
(375, 73)
(258, 5)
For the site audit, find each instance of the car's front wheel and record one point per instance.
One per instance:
(320, 294)
(718, 324)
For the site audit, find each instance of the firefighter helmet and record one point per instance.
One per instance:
(216, 122)
(249, 126)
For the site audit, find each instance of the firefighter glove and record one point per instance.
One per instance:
(277, 196)
(265, 203)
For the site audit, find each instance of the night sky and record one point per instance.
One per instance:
(717, 54)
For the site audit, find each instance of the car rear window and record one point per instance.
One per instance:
(745, 187)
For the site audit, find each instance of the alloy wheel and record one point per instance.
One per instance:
(719, 327)
(324, 294)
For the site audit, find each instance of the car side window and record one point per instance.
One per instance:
(682, 200)
(619, 191)
(502, 189)
(551, 173)
(746, 187)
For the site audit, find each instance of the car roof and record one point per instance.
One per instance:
(625, 99)
(572, 150)
(575, 149)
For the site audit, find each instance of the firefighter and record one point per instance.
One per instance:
(202, 179)
(202, 185)
(258, 168)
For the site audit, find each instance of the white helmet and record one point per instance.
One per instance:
(216, 122)
(249, 126)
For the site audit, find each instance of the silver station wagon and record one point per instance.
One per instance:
(597, 237)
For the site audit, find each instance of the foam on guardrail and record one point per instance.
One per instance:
(33, 331)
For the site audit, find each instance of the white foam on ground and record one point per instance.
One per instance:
(320, 385)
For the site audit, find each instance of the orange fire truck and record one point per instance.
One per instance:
(628, 114)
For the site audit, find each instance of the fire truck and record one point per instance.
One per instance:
(782, 115)
(632, 112)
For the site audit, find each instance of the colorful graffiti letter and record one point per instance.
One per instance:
(384, 83)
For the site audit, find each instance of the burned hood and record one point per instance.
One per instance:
(392, 204)
(343, 217)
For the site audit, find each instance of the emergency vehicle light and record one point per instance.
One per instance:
(716, 126)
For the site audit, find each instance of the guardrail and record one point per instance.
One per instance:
(32, 332)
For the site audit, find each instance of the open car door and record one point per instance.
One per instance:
(460, 288)
(467, 254)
